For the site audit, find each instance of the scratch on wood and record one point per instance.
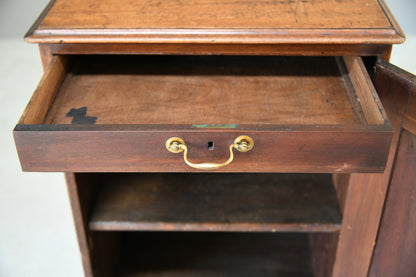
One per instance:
(299, 7)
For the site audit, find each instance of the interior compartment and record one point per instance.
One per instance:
(210, 224)
(206, 90)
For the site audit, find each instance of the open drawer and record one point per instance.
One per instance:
(116, 113)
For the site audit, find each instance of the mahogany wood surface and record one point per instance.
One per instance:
(341, 182)
(99, 250)
(395, 251)
(323, 247)
(80, 206)
(140, 149)
(366, 192)
(46, 56)
(241, 90)
(213, 21)
(365, 91)
(410, 118)
(216, 202)
(45, 93)
(409, 122)
(186, 254)
(220, 49)
(212, 90)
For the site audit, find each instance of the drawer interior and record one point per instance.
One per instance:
(206, 90)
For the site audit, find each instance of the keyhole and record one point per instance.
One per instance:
(210, 145)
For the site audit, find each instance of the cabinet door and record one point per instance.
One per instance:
(395, 250)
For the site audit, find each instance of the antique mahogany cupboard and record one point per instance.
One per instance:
(228, 138)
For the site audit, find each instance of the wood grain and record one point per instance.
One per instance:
(323, 249)
(79, 209)
(375, 50)
(365, 91)
(99, 250)
(86, 148)
(394, 253)
(214, 14)
(173, 254)
(341, 182)
(366, 192)
(410, 117)
(409, 80)
(212, 21)
(216, 202)
(45, 92)
(221, 49)
(361, 216)
(46, 55)
(209, 90)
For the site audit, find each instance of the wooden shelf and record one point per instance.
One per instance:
(175, 254)
(216, 202)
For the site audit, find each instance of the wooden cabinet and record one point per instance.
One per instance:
(287, 105)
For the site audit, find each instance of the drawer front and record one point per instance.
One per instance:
(323, 136)
(129, 150)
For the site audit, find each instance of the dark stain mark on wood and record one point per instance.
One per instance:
(79, 116)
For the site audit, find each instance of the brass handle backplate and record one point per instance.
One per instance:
(177, 145)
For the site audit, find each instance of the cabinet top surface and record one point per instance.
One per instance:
(216, 21)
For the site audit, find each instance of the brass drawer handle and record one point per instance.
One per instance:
(177, 145)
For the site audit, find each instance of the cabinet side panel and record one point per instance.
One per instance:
(99, 250)
(395, 251)
(77, 208)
